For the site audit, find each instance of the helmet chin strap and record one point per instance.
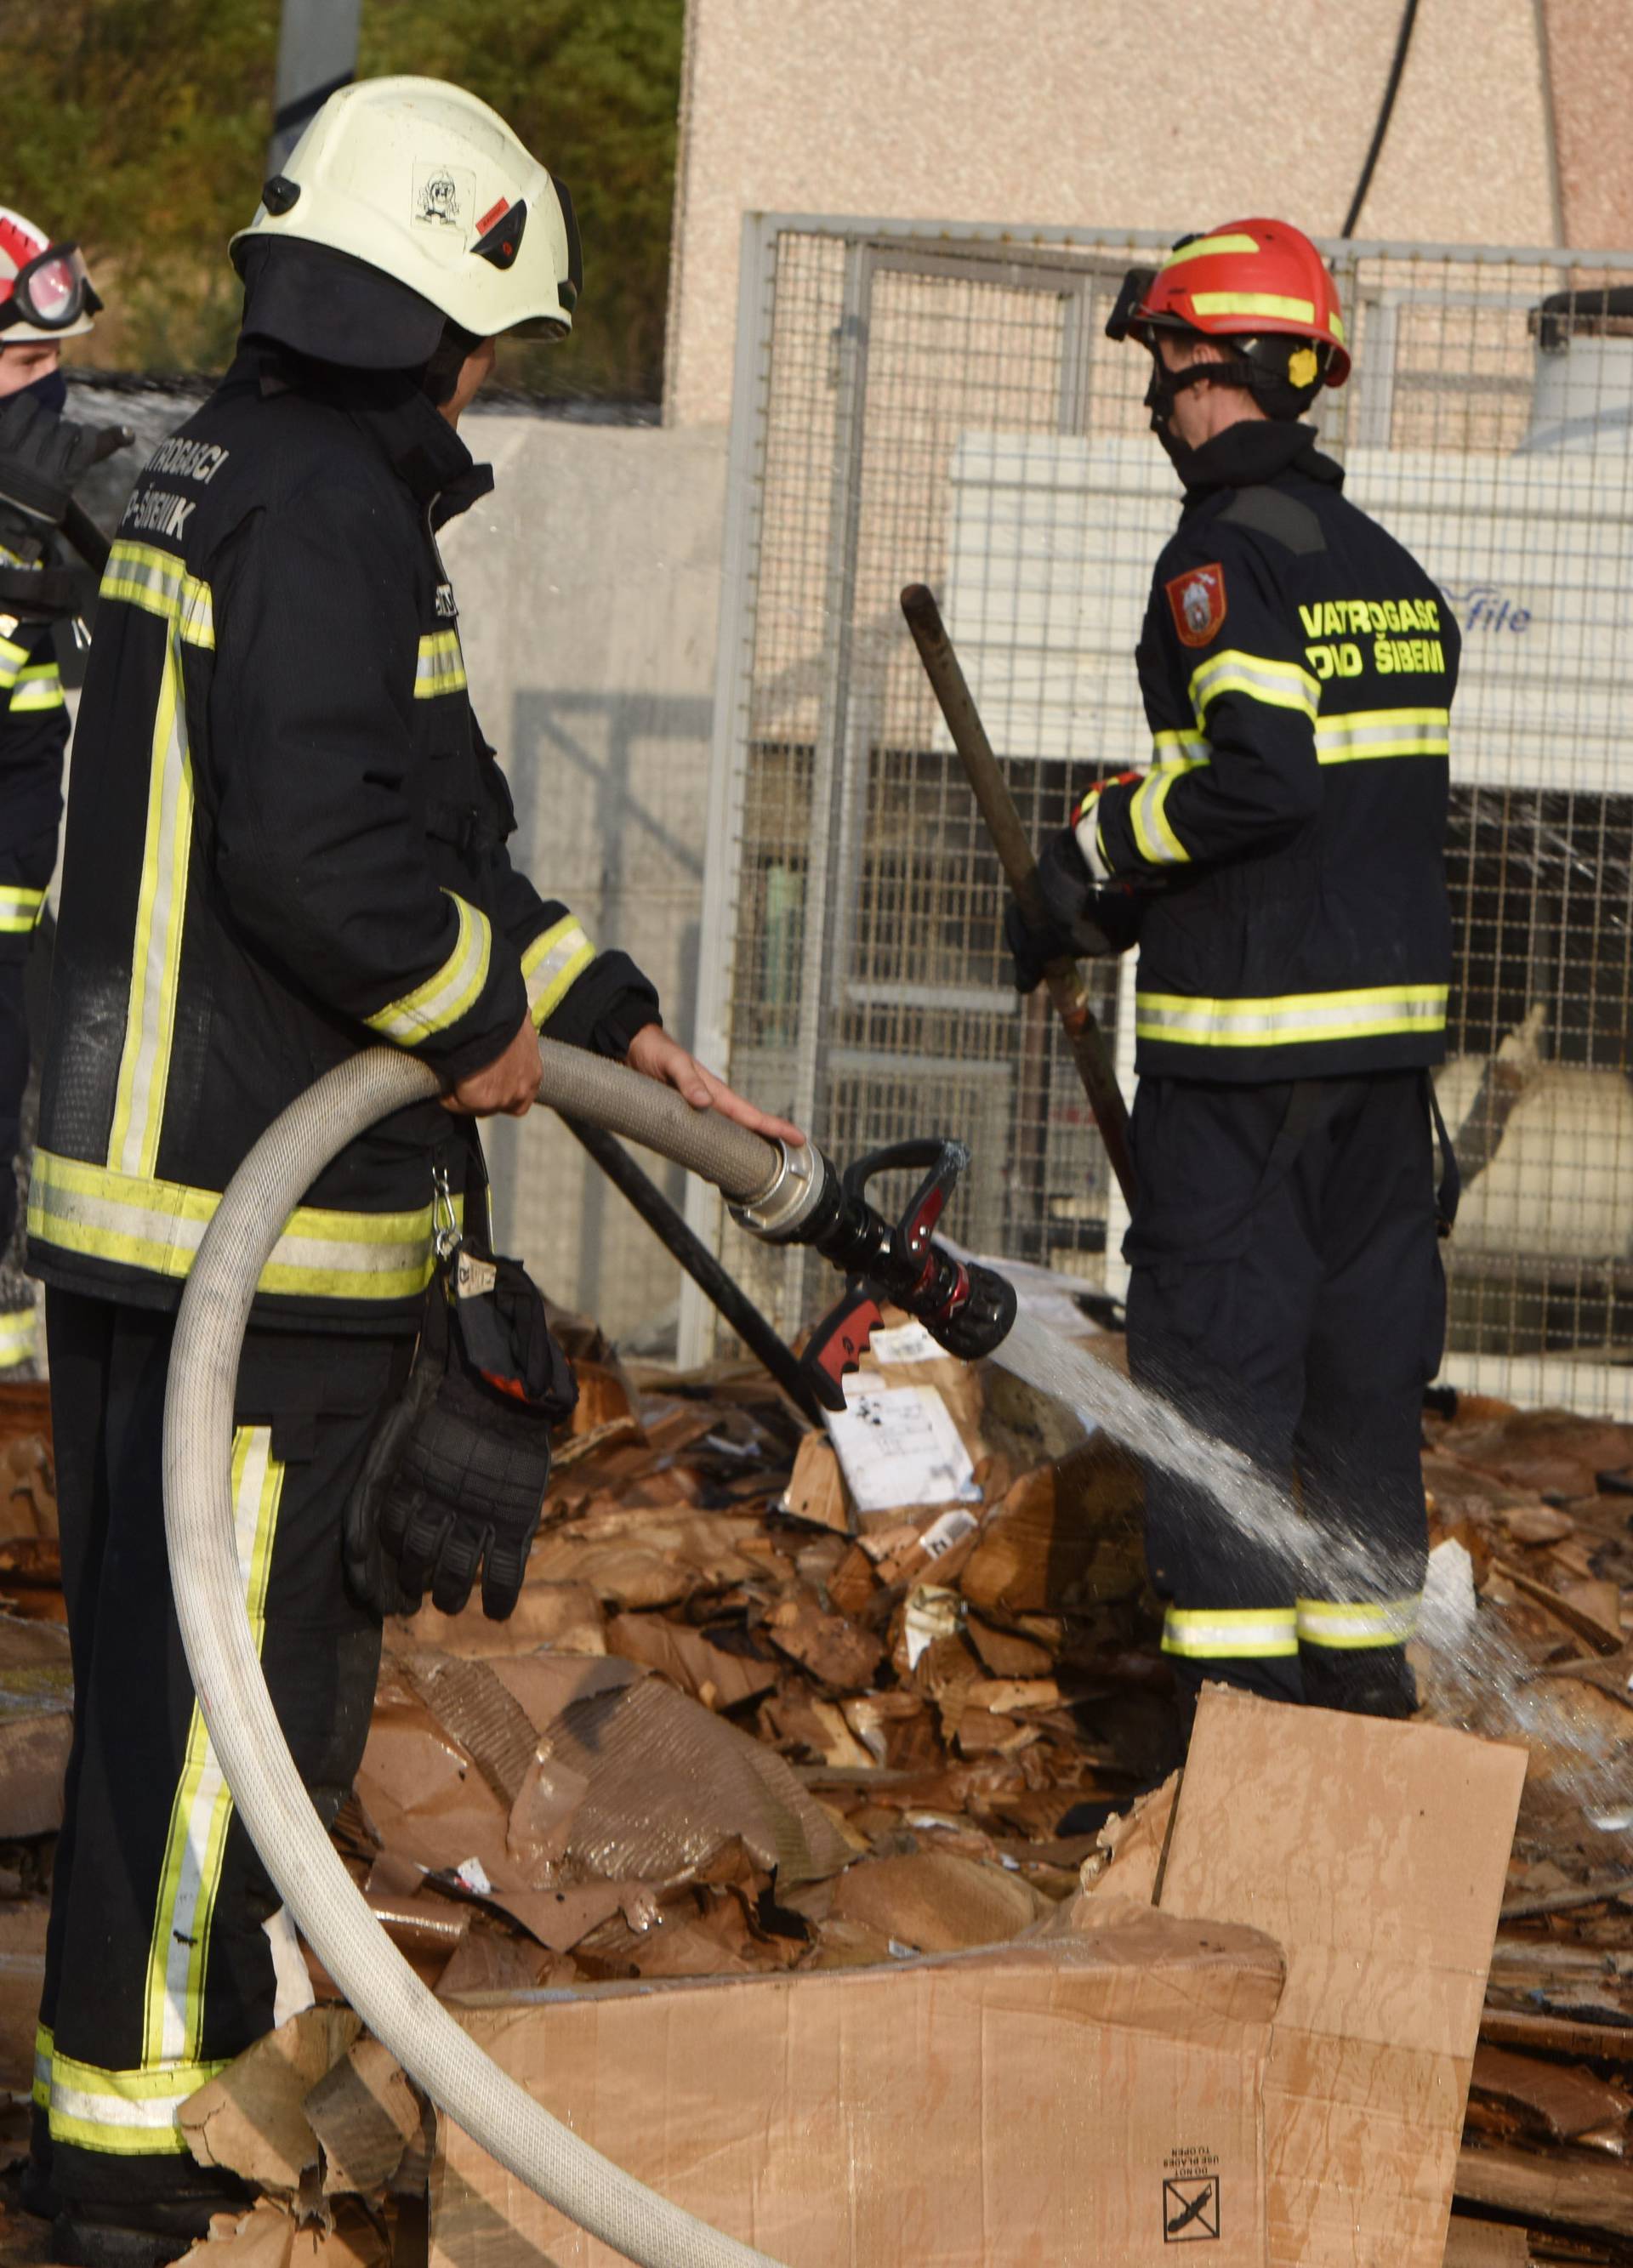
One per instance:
(1167, 384)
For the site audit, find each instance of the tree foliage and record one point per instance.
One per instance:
(142, 131)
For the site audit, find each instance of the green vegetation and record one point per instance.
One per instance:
(140, 126)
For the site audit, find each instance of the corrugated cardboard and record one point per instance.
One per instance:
(1375, 1853)
(1090, 2103)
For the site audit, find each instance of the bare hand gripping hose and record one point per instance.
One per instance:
(330, 1910)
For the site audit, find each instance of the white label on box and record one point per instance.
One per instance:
(898, 1446)
(907, 1343)
(942, 1534)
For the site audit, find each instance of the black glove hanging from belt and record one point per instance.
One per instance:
(454, 1483)
(43, 458)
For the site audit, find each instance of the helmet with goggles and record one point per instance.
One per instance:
(412, 205)
(1259, 286)
(45, 290)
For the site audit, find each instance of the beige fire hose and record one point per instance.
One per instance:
(327, 1905)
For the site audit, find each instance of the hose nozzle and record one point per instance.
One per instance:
(967, 1308)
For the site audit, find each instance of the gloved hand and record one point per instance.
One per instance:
(454, 1483)
(1070, 929)
(43, 457)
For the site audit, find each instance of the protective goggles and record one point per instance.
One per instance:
(1135, 289)
(51, 292)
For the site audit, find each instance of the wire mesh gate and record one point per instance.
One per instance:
(913, 404)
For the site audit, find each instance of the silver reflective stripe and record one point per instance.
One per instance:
(552, 965)
(1290, 1020)
(440, 666)
(1375, 732)
(451, 992)
(1281, 684)
(1246, 1632)
(150, 2112)
(1352, 1624)
(156, 581)
(161, 915)
(1179, 751)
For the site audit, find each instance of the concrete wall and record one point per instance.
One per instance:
(1079, 113)
(588, 587)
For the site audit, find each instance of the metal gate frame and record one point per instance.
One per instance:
(1063, 262)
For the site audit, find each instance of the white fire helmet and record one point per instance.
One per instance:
(45, 291)
(421, 181)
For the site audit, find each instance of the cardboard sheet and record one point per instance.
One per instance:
(1375, 1853)
(1088, 2104)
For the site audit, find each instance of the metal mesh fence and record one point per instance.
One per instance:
(913, 406)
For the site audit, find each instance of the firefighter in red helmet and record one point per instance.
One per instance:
(46, 297)
(1280, 868)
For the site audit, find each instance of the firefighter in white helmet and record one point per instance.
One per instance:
(46, 297)
(286, 839)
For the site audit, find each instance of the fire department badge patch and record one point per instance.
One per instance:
(1198, 599)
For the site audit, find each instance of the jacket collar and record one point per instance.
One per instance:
(417, 442)
(1254, 451)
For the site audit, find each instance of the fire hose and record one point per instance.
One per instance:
(785, 1196)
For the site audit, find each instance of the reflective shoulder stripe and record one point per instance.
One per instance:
(1279, 684)
(1254, 303)
(1293, 1019)
(1249, 1633)
(1368, 733)
(37, 688)
(158, 1226)
(19, 1336)
(126, 2113)
(143, 575)
(450, 991)
(20, 908)
(1352, 1624)
(441, 667)
(1158, 844)
(553, 964)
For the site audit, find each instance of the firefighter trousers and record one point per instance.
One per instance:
(1286, 1291)
(168, 1952)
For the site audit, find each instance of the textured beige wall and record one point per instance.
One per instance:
(1096, 113)
(1590, 49)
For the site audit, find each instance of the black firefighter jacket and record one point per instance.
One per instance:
(285, 841)
(1297, 667)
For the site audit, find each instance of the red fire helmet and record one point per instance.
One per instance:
(1246, 278)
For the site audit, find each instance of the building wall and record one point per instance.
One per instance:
(1059, 113)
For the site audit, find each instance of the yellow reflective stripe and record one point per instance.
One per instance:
(1290, 1020)
(12, 658)
(19, 1336)
(125, 2113)
(441, 667)
(143, 575)
(553, 964)
(158, 1226)
(1281, 684)
(1181, 751)
(1159, 845)
(450, 992)
(1351, 1624)
(1208, 1633)
(35, 690)
(1253, 302)
(20, 908)
(1368, 733)
(202, 1811)
(1335, 324)
(161, 913)
(1206, 247)
(43, 2043)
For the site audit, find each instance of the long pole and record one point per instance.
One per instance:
(1063, 977)
(317, 53)
(699, 1262)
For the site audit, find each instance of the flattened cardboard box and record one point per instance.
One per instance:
(1376, 1854)
(1089, 2102)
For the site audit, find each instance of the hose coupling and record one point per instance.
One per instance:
(802, 1186)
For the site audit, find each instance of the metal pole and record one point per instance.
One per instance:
(699, 1262)
(317, 52)
(1063, 978)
